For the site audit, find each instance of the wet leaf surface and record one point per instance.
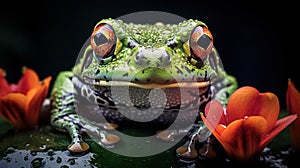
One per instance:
(46, 147)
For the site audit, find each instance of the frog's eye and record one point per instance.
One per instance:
(200, 43)
(103, 40)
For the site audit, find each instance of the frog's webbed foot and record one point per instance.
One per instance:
(75, 124)
(170, 135)
(188, 150)
(66, 124)
(78, 146)
(199, 143)
(100, 130)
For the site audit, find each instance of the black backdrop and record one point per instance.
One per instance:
(257, 42)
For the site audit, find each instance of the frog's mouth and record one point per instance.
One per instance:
(185, 94)
(183, 84)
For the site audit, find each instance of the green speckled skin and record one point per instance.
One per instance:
(143, 55)
(149, 37)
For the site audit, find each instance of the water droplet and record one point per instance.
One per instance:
(71, 161)
(8, 160)
(33, 153)
(50, 152)
(184, 24)
(95, 164)
(26, 157)
(51, 158)
(37, 162)
(58, 160)
(26, 145)
(64, 166)
(43, 147)
(10, 150)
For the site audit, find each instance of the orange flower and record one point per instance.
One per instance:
(248, 123)
(293, 107)
(21, 103)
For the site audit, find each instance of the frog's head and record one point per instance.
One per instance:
(150, 56)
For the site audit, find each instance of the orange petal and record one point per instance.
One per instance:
(216, 130)
(220, 129)
(2, 72)
(267, 105)
(292, 99)
(46, 82)
(247, 101)
(28, 81)
(293, 107)
(34, 104)
(4, 86)
(12, 108)
(279, 126)
(35, 99)
(241, 103)
(242, 137)
(214, 114)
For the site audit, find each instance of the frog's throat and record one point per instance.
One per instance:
(192, 84)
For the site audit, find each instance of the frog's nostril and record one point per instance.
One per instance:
(165, 58)
(140, 57)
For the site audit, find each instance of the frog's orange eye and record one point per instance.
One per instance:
(201, 43)
(103, 40)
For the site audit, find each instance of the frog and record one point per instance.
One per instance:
(122, 56)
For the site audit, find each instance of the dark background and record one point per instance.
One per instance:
(257, 41)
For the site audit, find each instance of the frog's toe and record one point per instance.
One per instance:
(207, 151)
(186, 153)
(78, 147)
(188, 150)
(110, 126)
(166, 135)
(169, 135)
(109, 139)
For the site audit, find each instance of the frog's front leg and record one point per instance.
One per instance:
(200, 134)
(65, 118)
